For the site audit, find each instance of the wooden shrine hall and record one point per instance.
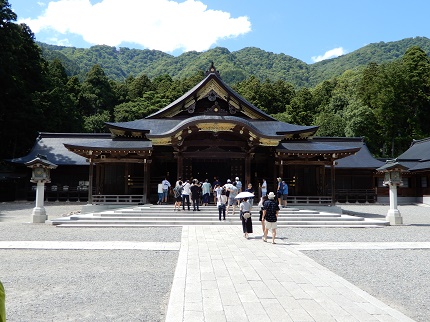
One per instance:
(210, 131)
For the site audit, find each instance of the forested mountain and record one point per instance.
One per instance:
(235, 66)
(380, 92)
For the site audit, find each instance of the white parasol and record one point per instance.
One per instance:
(244, 194)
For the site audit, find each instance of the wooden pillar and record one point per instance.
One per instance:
(180, 165)
(146, 180)
(333, 184)
(126, 176)
(281, 169)
(248, 158)
(90, 180)
(324, 188)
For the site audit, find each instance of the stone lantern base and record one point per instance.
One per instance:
(39, 215)
(394, 217)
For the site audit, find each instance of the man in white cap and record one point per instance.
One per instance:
(270, 216)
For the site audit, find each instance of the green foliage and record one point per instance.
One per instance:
(95, 123)
(22, 73)
(234, 67)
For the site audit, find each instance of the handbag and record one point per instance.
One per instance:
(246, 215)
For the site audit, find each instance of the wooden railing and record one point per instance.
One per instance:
(117, 199)
(309, 200)
(356, 195)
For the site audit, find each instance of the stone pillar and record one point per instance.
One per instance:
(393, 215)
(39, 212)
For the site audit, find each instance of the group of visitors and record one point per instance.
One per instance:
(224, 196)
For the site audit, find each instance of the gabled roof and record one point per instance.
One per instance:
(212, 80)
(417, 157)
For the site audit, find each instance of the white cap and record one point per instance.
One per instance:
(237, 178)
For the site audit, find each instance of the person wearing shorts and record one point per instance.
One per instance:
(270, 216)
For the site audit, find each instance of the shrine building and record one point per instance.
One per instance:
(210, 131)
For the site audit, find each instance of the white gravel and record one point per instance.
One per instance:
(134, 285)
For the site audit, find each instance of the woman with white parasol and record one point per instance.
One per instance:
(245, 212)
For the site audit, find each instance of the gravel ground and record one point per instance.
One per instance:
(83, 285)
(400, 277)
(130, 285)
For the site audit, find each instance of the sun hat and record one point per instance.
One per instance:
(271, 195)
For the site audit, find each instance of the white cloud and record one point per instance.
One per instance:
(154, 24)
(332, 53)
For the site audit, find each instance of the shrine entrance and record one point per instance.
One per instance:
(209, 168)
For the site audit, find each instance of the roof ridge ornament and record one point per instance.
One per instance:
(212, 70)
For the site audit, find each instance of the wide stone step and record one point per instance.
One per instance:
(161, 215)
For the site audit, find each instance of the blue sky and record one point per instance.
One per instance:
(309, 30)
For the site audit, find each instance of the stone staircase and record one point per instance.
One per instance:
(163, 215)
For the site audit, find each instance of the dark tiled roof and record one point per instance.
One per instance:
(111, 144)
(167, 126)
(362, 159)
(52, 146)
(417, 157)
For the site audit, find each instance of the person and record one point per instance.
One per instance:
(284, 194)
(260, 205)
(186, 195)
(227, 187)
(270, 216)
(195, 194)
(160, 193)
(177, 192)
(238, 184)
(214, 184)
(221, 202)
(246, 222)
(280, 191)
(166, 187)
(2, 303)
(264, 188)
(177, 181)
(250, 189)
(206, 191)
(231, 197)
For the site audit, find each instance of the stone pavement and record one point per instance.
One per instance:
(221, 276)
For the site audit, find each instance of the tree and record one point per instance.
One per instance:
(96, 94)
(21, 75)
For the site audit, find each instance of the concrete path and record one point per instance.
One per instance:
(221, 276)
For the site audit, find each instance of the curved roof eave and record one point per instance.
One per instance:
(164, 127)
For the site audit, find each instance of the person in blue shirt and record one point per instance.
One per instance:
(284, 194)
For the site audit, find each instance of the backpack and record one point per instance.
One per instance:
(178, 191)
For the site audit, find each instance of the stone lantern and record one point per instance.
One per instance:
(40, 175)
(393, 178)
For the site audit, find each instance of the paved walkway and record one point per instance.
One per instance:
(221, 276)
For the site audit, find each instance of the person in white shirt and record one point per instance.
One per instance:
(160, 193)
(221, 201)
(186, 194)
(264, 188)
